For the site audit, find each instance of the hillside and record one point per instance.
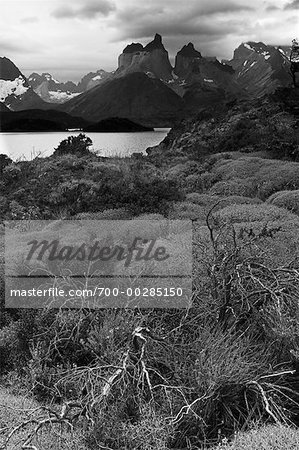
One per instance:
(39, 120)
(250, 126)
(221, 374)
(135, 97)
(260, 68)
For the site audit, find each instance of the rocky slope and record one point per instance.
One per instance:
(187, 61)
(260, 68)
(93, 79)
(134, 96)
(15, 91)
(204, 81)
(268, 125)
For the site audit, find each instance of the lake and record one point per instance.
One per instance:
(29, 145)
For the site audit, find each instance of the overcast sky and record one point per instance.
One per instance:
(70, 38)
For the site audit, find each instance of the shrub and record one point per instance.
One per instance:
(209, 200)
(258, 177)
(16, 409)
(286, 199)
(235, 186)
(187, 210)
(76, 145)
(4, 161)
(151, 432)
(11, 172)
(252, 213)
(202, 199)
(107, 214)
(271, 437)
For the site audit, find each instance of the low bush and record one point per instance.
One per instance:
(63, 186)
(107, 214)
(187, 210)
(286, 199)
(210, 200)
(253, 213)
(235, 186)
(75, 145)
(259, 177)
(16, 409)
(271, 437)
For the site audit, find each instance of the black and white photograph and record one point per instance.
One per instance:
(149, 225)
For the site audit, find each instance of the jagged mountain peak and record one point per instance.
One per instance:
(156, 44)
(152, 60)
(256, 47)
(49, 77)
(133, 48)
(189, 51)
(9, 71)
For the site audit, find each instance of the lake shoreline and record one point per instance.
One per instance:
(29, 145)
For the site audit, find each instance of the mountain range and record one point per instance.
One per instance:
(54, 91)
(146, 88)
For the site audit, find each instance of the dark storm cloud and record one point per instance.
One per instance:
(183, 29)
(88, 11)
(143, 21)
(293, 5)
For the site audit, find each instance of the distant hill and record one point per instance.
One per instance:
(135, 96)
(115, 125)
(39, 120)
(3, 108)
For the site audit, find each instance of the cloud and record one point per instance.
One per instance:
(7, 46)
(207, 18)
(272, 8)
(220, 7)
(293, 5)
(88, 11)
(144, 22)
(29, 20)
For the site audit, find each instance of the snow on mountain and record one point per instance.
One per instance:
(61, 97)
(93, 79)
(9, 87)
(49, 77)
(260, 68)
